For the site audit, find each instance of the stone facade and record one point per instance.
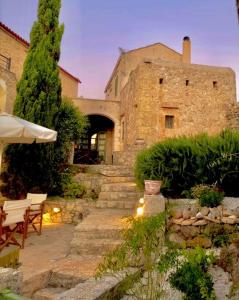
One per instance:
(198, 98)
(8, 83)
(153, 93)
(13, 51)
(161, 94)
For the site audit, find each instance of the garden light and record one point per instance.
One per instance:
(141, 200)
(140, 211)
(56, 209)
(46, 218)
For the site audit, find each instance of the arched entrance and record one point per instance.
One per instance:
(96, 146)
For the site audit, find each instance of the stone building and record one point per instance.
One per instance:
(13, 50)
(154, 93)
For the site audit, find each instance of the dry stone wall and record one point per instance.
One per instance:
(69, 211)
(190, 225)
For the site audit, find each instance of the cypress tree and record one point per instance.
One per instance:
(39, 100)
(39, 89)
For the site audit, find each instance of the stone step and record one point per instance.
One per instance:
(119, 187)
(113, 234)
(109, 170)
(117, 204)
(106, 287)
(49, 293)
(103, 179)
(119, 196)
(93, 247)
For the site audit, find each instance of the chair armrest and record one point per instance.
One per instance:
(2, 216)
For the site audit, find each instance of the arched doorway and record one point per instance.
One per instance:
(96, 145)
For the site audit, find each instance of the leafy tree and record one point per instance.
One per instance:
(39, 100)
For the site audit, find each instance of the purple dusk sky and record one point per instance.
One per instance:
(94, 29)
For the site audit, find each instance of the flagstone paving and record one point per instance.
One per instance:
(46, 261)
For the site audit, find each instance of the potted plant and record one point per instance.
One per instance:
(152, 187)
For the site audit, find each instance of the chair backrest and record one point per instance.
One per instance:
(36, 198)
(15, 211)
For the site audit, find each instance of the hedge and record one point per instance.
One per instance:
(184, 162)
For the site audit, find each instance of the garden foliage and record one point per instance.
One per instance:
(142, 247)
(184, 162)
(39, 100)
(192, 277)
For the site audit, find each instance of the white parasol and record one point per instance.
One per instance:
(14, 130)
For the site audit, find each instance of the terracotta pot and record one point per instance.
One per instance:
(152, 187)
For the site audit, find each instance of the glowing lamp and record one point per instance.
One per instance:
(46, 218)
(56, 209)
(140, 211)
(141, 200)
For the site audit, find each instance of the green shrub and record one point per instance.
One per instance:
(197, 190)
(207, 195)
(221, 240)
(192, 278)
(184, 162)
(211, 198)
(74, 190)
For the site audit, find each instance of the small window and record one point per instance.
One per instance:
(187, 82)
(169, 122)
(160, 80)
(214, 84)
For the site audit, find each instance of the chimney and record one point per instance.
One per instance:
(186, 50)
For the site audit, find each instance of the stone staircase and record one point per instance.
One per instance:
(99, 232)
(114, 185)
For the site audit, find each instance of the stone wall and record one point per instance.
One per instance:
(70, 211)
(7, 90)
(190, 225)
(14, 47)
(198, 97)
(233, 117)
(128, 61)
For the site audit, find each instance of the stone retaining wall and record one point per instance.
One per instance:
(190, 225)
(69, 211)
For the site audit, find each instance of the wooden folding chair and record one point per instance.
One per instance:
(13, 219)
(36, 211)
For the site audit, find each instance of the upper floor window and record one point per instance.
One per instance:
(169, 121)
(187, 82)
(160, 80)
(215, 84)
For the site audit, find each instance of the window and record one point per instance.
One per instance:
(214, 84)
(160, 80)
(93, 141)
(169, 122)
(187, 82)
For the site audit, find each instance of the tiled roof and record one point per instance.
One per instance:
(26, 43)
